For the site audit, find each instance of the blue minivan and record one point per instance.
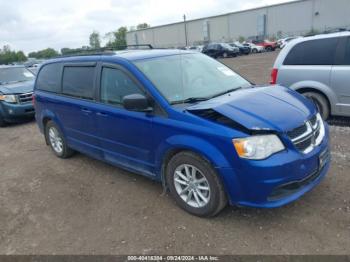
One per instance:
(188, 121)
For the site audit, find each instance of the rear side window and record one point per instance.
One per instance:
(313, 52)
(78, 81)
(347, 53)
(49, 78)
(115, 84)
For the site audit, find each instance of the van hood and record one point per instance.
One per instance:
(17, 88)
(274, 108)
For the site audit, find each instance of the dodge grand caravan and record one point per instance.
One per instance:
(186, 120)
(319, 68)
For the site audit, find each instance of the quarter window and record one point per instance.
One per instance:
(347, 53)
(313, 52)
(115, 84)
(49, 78)
(78, 81)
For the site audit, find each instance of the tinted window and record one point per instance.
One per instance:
(314, 52)
(347, 53)
(115, 84)
(79, 81)
(49, 78)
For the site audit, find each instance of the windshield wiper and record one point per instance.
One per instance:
(190, 100)
(227, 91)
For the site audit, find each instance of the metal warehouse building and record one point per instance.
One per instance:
(291, 18)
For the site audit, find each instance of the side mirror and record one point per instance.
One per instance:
(136, 102)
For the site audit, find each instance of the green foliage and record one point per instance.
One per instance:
(142, 26)
(95, 41)
(44, 54)
(117, 39)
(8, 57)
(241, 39)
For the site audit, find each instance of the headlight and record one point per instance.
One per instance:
(258, 147)
(8, 98)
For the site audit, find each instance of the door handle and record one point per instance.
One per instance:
(101, 114)
(86, 111)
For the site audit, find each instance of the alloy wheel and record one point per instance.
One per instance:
(192, 186)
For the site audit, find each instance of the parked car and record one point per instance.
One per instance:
(254, 48)
(198, 48)
(186, 120)
(243, 50)
(217, 50)
(268, 45)
(319, 68)
(16, 90)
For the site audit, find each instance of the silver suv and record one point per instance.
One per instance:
(319, 68)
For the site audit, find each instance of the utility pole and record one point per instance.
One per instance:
(185, 30)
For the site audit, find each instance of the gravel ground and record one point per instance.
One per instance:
(83, 206)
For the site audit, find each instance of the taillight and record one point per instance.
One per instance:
(274, 74)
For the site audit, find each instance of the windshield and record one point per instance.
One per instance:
(15, 74)
(182, 77)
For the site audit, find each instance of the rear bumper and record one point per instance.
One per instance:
(16, 112)
(277, 181)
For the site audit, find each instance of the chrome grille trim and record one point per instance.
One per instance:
(311, 138)
(25, 98)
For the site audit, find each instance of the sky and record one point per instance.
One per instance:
(32, 25)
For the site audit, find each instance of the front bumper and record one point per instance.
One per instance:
(16, 112)
(276, 181)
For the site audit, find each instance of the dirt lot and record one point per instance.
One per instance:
(83, 206)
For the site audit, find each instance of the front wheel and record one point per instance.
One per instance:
(320, 102)
(56, 140)
(194, 185)
(269, 48)
(225, 55)
(254, 51)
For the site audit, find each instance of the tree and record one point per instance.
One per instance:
(117, 39)
(44, 54)
(8, 57)
(142, 26)
(95, 41)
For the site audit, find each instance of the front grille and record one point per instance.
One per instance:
(25, 98)
(305, 136)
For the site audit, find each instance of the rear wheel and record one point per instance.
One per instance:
(56, 140)
(321, 103)
(194, 184)
(269, 48)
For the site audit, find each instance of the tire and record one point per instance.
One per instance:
(224, 55)
(320, 102)
(269, 48)
(208, 197)
(254, 51)
(54, 137)
(2, 121)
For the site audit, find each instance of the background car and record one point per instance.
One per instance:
(16, 91)
(243, 50)
(319, 68)
(254, 48)
(224, 50)
(268, 45)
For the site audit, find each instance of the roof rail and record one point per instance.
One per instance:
(104, 50)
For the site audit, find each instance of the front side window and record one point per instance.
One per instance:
(78, 81)
(15, 74)
(185, 76)
(115, 84)
(313, 52)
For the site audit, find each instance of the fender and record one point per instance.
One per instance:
(197, 145)
(322, 88)
(49, 114)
